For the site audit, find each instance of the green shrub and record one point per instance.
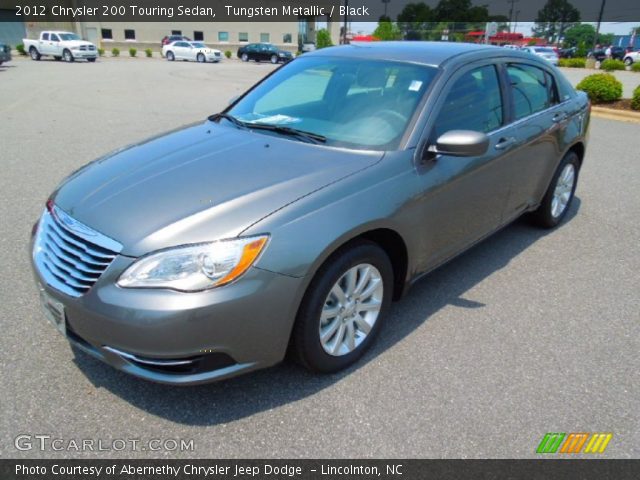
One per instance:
(20, 49)
(115, 52)
(635, 100)
(577, 62)
(101, 52)
(601, 87)
(228, 54)
(323, 39)
(610, 65)
(133, 52)
(148, 52)
(572, 62)
(635, 67)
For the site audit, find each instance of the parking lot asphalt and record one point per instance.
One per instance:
(527, 333)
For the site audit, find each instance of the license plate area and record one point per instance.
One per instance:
(54, 311)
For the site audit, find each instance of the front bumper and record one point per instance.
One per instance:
(84, 53)
(154, 333)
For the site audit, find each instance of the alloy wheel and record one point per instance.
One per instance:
(563, 191)
(351, 309)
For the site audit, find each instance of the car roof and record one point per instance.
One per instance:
(427, 53)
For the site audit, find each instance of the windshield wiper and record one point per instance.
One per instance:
(294, 132)
(217, 116)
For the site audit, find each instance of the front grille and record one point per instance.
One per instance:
(69, 255)
(83, 47)
(92, 47)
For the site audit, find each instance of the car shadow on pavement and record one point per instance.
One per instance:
(271, 388)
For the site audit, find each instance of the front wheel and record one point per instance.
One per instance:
(68, 57)
(274, 59)
(35, 55)
(343, 309)
(200, 58)
(628, 62)
(557, 199)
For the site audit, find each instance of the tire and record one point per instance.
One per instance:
(274, 59)
(336, 352)
(170, 56)
(201, 58)
(557, 200)
(57, 58)
(628, 61)
(91, 60)
(68, 57)
(35, 55)
(245, 57)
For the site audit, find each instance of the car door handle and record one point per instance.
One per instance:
(505, 143)
(559, 117)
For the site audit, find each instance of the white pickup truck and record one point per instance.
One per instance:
(60, 45)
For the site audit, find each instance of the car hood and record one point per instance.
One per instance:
(198, 184)
(76, 43)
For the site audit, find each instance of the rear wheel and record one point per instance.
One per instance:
(559, 195)
(245, 57)
(344, 308)
(68, 57)
(170, 56)
(35, 55)
(200, 58)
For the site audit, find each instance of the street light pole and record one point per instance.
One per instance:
(600, 15)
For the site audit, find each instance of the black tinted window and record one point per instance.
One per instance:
(473, 103)
(532, 91)
(54, 38)
(45, 36)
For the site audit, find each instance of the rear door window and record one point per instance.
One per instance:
(532, 89)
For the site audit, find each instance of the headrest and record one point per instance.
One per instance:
(371, 77)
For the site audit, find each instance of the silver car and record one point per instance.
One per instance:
(290, 221)
(548, 53)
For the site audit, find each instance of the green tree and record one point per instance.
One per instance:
(579, 34)
(414, 20)
(323, 38)
(387, 30)
(554, 18)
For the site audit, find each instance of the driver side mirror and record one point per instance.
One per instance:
(459, 143)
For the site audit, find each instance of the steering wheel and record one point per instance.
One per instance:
(393, 117)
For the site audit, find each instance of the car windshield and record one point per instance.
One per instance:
(69, 36)
(353, 103)
(198, 45)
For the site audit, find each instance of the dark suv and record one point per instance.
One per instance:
(617, 53)
(263, 52)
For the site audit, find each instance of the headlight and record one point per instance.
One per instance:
(194, 267)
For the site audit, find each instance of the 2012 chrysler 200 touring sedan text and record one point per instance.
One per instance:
(290, 221)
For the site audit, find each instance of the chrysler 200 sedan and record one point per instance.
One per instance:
(291, 220)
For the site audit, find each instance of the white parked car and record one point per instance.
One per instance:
(60, 45)
(631, 57)
(196, 51)
(548, 53)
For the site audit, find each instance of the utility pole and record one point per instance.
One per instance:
(515, 27)
(600, 15)
(346, 18)
(386, 4)
(512, 3)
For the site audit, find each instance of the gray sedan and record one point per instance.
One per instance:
(290, 221)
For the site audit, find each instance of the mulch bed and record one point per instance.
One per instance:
(624, 104)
